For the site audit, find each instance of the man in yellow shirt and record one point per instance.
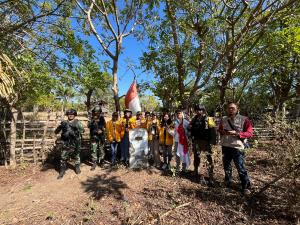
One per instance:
(127, 123)
(114, 129)
(140, 122)
(166, 133)
(153, 130)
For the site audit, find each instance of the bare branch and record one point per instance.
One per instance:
(105, 48)
(81, 7)
(131, 30)
(107, 20)
(228, 6)
(98, 7)
(129, 16)
(250, 48)
(116, 15)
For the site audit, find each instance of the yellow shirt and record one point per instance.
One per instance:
(130, 124)
(140, 123)
(165, 138)
(113, 130)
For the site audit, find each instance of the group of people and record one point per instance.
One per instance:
(168, 136)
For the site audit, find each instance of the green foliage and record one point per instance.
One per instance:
(256, 67)
(149, 103)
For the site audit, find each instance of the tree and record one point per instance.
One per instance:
(209, 42)
(110, 22)
(149, 103)
(25, 30)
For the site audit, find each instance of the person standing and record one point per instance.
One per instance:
(140, 121)
(71, 131)
(181, 141)
(113, 128)
(127, 123)
(203, 134)
(153, 131)
(97, 137)
(166, 133)
(234, 129)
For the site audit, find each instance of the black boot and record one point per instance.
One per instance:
(101, 163)
(211, 180)
(77, 169)
(211, 177)
(93, 166)
(62, 171)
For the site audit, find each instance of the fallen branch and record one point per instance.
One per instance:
(168, 212)
(292, 169)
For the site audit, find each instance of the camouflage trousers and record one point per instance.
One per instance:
(97, 149)
(203, 146)
(70, 152)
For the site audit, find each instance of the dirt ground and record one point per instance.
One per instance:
(32, 195)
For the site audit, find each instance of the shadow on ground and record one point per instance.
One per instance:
(101, 185)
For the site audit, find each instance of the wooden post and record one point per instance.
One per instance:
(13, 137)
(44, 137)
(23, 138)
(33, 150)
(5, 139)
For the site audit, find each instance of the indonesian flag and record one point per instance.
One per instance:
(132, 100)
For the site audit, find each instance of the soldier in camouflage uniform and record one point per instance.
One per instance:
(71, 131)
(97, 137)
(203, 134)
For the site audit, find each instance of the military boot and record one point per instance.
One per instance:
(210, 177)
(94, 166)
(77, 169)
(211, 180)
(62, 171)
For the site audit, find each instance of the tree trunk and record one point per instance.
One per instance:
(115, 87)
(88, 99)
(230, 70)
(13, 137)
(223, 88)
(222, 95)
(297, 108)
(178, 54)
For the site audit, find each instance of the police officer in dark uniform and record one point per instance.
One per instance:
(97, 137)
(71, 131)
(203, 134)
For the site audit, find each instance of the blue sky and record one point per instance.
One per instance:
(132, 51)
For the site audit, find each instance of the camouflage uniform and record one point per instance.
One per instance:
(71, 138)
(97, 129)
(203, 135)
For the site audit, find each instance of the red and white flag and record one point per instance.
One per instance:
(132, 100)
